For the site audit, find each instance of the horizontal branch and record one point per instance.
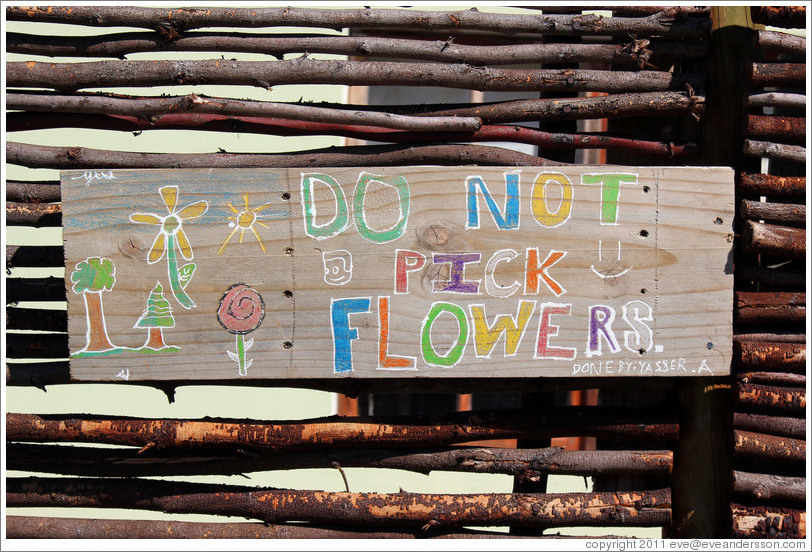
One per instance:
(35, 289)
(780, 276)
(775, 41)
(784, 379)
(33, 191)
(778, 336)
(776, 99)
(530, 463)
(792, 17)
(38, 215)
(48, 320)
(635, 53)
(774, 186)
(628, 424)
(786, 213)
(36, 256)
(770, 448)
(779, 128)
(645, 104)
(769, 307)
(148, 108)
(282, 127)
(768, 522)
(774, 240)
(645, 508)
(30, 527)
(785, 426)
(778, 74)
(769, 487)
(172, 22)
(791, 400)
(350, 156)
(761, 355)
(770, 150)
(26, 345)
(37, 374)
(265, 74)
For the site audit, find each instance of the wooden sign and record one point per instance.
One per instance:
(399, 272)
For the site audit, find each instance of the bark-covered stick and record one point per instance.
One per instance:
(783, 400)
(127, 462)
(351, 156)
(629, 424)
(644, 508)
(774, 240)
(769, 487)
(37, 215)
(776, 99)
(371, 47)
(768, 522)
(266, 74)
(771, 150)
(38, 256)
(172, 22)
(782, 129)
(786, 426)
(769, 448)
(787, 213)
(776, 41)
(645, 104)
(283, 127)
(773, 186)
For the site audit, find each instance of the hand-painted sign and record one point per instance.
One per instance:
(399, 272)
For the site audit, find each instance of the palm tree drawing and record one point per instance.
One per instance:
(170, 238)
(156, 317)
(90, 278)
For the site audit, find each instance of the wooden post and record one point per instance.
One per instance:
(702, 457)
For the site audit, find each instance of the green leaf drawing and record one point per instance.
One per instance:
(93, 274)
(185, 273)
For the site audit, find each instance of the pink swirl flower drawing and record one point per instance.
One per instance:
(241, 311)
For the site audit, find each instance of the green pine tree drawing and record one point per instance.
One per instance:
(156, 317)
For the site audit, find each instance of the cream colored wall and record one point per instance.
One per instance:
(217, 401)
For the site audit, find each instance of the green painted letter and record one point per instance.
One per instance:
(610, 191)
(341, 217)
(455, 353)
(396, 230)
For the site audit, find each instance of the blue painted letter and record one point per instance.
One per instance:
(343, 334)
(508, 221)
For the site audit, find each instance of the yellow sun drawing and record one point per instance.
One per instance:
(247, 219)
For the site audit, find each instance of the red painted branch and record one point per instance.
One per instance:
(756, 307)
(786, 213)
(769, 448)
(351, 156)
(774, 41)
(777, 241)
(645, 508)
(792, 17)
(283, 127)
(769, 487)
(791, 130)
(778, 74)
(265, 74)
(119, 45)
(629, 424)
(774, 186)
(785, 426)
(172, 22)
(768, 522)
(783, 400)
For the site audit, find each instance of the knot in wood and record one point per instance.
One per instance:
(435, 235)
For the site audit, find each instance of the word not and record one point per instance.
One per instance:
(637, 334)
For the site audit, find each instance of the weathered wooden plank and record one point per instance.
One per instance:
(404, 278)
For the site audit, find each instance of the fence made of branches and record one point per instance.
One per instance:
(649, 72)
